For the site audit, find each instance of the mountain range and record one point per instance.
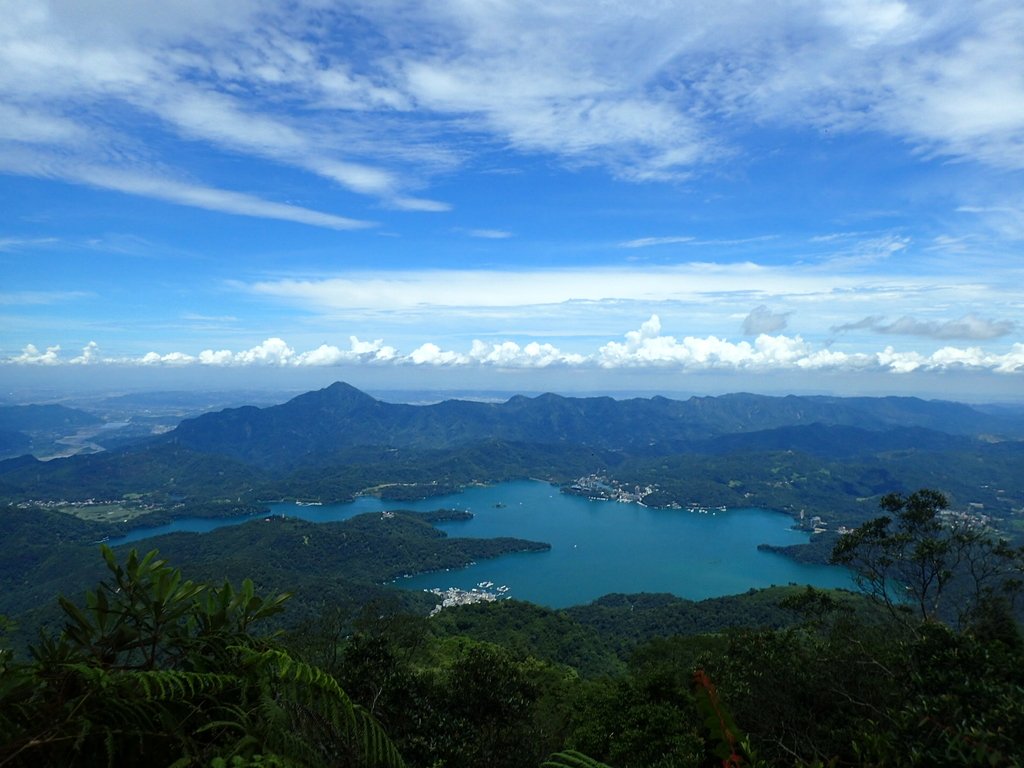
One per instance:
(311, 427)
(828, 453)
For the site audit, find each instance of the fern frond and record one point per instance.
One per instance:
(572, 759)
(316, 706)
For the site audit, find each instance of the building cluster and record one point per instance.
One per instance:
(453, 596)
(599, 486)
(972, 517)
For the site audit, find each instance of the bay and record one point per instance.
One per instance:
(597, 547)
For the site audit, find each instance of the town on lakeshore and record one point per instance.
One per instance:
(600, 487)
(484, 592)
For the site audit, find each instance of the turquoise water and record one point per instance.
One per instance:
(597, 547)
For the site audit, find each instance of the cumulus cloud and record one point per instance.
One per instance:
(648, 347)
(509, 354)
(30, 355)
(358, 351)
(171, 358)
(90, 355)
(967, 327)
(762, 320)
(431, 354)
(645, 347)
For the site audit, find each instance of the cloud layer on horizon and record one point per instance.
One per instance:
(646, 347)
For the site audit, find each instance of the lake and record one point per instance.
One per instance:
(597, 547)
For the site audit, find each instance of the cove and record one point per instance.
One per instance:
(597, 547)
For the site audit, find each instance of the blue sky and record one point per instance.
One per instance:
(553, 195)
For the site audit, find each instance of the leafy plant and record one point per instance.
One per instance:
(155, 665)
(927, 565)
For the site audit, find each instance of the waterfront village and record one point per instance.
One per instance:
(602, 488)
(599, 487)
(484, 592)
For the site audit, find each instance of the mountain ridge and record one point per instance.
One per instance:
(831, 455)
(340, 416)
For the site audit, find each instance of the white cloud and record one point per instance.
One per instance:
(358, 351)
(273, 351)
(824, 297)
(209, 198)
(90, 355)
(646, 347)
(220, 357)
(31, 126)
(520, 288)
(431, 354)
(146, 182)
(509, 354)
(30, 355)
(172, 358)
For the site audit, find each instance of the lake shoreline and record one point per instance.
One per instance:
(592, 548)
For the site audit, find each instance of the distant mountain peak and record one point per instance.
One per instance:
(338, 392)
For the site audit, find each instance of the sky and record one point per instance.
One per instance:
(665, 196)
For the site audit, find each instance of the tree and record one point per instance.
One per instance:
(927, 563)
(155, 667)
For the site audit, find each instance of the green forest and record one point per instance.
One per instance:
(924, 666)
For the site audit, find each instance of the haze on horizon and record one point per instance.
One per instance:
(513, 196)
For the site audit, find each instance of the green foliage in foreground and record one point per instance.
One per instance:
(156, 668)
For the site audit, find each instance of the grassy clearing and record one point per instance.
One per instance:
(102, 513)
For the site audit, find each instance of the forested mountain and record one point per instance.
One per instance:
(829, 456)
(312, 427)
